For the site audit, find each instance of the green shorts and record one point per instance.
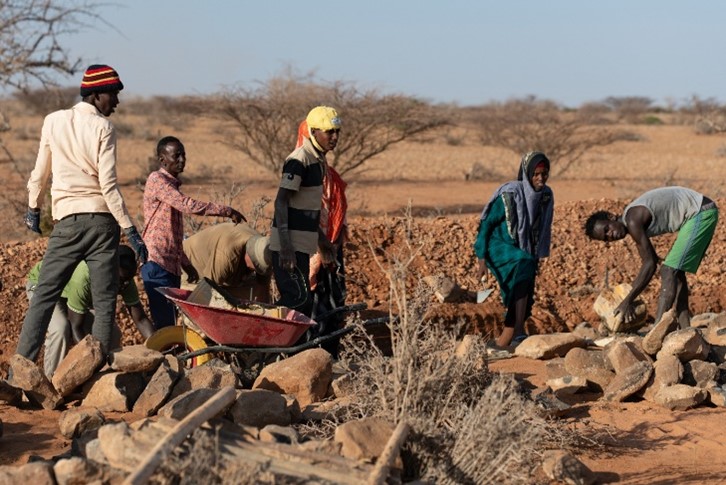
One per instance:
(692, 241)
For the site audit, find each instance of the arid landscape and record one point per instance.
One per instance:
(423, 190)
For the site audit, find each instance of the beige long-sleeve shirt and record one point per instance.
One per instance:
(78, 147)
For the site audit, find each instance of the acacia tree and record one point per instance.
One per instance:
(265, 119)
(527, 124)
(32, 53)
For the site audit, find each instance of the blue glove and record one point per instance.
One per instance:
(32, 220)
(137, 244)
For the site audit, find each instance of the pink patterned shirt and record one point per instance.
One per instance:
(164, 205)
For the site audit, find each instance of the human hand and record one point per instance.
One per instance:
(237, 216)
(287, 258)
(32, 220)
(625, 312)
(192, 273)
(482, 273)
(137, 244)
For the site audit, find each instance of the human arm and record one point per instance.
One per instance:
(142, 322)
(326, 248)
(637, 220)
(162, 189)
(287, 251)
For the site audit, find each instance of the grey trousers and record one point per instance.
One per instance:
(90, 237)
(59, 338)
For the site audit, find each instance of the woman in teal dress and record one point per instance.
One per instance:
(514, 233)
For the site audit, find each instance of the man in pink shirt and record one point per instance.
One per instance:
(164, 206)
(78, 148)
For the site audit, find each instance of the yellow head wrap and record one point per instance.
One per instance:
(323, 118)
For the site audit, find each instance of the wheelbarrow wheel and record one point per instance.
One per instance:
(177, 339)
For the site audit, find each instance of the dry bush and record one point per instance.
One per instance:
(467, 425)
(265, 119)
(527, 124)
(630, 109)
(707, 115)
(199, 460)
(46, 100)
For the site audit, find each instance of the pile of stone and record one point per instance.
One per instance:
(156, 391)
(673, 367)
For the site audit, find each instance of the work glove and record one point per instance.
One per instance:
(137, 244)
(32, 220)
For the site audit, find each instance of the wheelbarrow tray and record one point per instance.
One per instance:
(235, 327)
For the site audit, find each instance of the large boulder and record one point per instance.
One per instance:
(606, 303)
(114, 391)
(653, 340)
(592, 365)
(306, 376)
(135, 358)
(550, 345)
(260, 407)
(79, 365)
(28, 377)
(686, 344)
(157, 390)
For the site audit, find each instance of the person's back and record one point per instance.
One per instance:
(78, 148)
(670, 208)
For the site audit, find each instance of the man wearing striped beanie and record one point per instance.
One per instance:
(77, 155)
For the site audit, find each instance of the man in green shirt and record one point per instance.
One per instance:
(73, 314)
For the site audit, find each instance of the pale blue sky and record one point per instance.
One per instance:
(463, 51)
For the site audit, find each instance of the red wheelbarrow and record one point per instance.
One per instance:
(270, 330)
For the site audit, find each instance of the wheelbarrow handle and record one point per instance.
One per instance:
(353, 307)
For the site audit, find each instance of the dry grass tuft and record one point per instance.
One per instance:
(468, 426)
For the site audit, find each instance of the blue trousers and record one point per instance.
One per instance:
(162, 310)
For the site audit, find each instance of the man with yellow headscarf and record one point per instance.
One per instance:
(295, 233)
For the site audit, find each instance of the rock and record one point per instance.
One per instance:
(114, 391)
(328, 410)
(259, 408)
(76, 470)
(567, 385)
(715, 333)
(79, 365)
(702, 320)
(717, 354)
(273, 433)
(592, 365)
(585, 331)
(561, 466)
(204, 377)
(117, 445)
(135, 358)
(28, 377)
(306, 376)
(609, 299)
(179, 407)
(549, 405)
(680, 397)
(342, 386)
(628, 382)
(363, 439)
(667, 371)
(699, 373)
(77, 421)
(653, 340)
(548, 346)
(35, 473)
(10, 394)
(686, 344)
(157, 390)
(717, 395)
(624, 354)
(445, 289)
(555, 368)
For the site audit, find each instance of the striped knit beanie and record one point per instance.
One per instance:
(100, 78)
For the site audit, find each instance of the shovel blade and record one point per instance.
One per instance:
(483, 295)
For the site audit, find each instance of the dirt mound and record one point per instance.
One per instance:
(567, 286)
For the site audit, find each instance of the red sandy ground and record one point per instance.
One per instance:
(643, 443)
